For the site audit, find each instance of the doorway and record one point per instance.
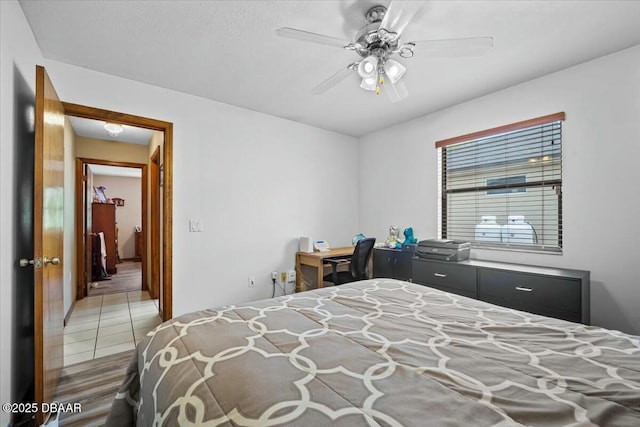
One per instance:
(164, 285)
(114, 205)
(114, 308)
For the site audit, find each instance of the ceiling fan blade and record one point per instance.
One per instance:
(332, 81)
(474, 46)
(396, 92)
(308, 36)
(399, 14)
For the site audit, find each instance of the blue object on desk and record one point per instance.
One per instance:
(408, 236)
(357, 238)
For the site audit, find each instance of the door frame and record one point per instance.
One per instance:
(167, 194)
(82, 205)
(154, 222)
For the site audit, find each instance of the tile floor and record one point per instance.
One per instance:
(107, 324)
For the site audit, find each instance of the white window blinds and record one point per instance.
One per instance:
(503, 187)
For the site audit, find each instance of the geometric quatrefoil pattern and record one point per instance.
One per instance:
(379, 352)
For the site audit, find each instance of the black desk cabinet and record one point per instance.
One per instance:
(553, 292)
(392, 263)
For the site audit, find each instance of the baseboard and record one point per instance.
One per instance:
(135, 259)
(66, 318)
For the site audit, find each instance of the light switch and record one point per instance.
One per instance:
(195, 225)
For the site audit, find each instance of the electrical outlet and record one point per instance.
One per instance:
(252, 281)
(291, 276)
(283, 277)
(274, 275)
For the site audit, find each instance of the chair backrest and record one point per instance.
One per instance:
(360, 259)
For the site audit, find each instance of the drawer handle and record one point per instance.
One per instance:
(439, 275)
(523, 289)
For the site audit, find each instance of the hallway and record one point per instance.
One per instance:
(128, 278)
(103, 325)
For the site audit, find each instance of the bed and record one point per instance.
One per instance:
(379, 352)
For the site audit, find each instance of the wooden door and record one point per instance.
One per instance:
(48, 238)
(154, 172)
(88, 226)
(83, 189)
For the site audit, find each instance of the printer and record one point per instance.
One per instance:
(443, 249)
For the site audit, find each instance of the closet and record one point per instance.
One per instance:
(103, 220)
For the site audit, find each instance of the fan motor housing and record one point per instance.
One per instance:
(372, 38)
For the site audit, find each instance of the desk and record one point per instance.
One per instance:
(316, 259)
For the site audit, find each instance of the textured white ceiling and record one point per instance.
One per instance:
(228, 50)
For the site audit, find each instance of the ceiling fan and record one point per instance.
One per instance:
(378, 40)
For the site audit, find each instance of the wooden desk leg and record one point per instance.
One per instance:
(298, 273)
(320, 268)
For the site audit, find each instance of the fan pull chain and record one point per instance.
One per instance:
(381, 82)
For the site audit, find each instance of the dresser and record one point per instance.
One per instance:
(553, 292)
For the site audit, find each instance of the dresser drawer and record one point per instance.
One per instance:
(451, 277)
(536, 293)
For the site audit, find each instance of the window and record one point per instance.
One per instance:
(503, 187)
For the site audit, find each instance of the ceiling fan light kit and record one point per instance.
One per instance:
(373, 69)
(378, 40)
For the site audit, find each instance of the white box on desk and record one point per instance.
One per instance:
(306, 244)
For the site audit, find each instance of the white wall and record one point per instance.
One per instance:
(600, 202)
(18, 50)
(256, 182)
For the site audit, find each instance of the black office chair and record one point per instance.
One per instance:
(358, 264)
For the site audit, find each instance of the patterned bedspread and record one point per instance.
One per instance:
(379, 352)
